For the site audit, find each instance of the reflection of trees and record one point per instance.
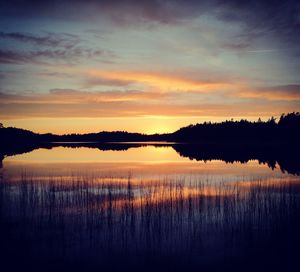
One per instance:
(285, 156)
(230, 141)
(1, 161)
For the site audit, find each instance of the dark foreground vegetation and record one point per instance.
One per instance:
(83, 223)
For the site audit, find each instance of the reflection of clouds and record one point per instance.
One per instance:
(117, 193)
(146, 164)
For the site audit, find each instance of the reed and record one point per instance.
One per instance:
(90, 219)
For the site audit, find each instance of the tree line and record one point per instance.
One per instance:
(285, 129)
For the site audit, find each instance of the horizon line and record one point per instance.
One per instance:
(259, 119)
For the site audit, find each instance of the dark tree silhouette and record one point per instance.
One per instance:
(243, 131)
(270, 142)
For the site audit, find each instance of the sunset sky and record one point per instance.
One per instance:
(146, 66)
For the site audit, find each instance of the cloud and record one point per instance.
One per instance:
(277, 16)
(62, 103)
(274, 93)
(260, 18)
(48, 56)
(163, 11)
(102, 81)
(71, 96)
(11, 57)
(169, 88)
(58, 47)
(51, 40)
(76, 96)
(163, 81)
(276, 21)
(129, 109)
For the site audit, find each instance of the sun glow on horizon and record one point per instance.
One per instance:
(142, 71)
(145, 125)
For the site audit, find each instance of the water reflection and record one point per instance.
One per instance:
(282, 156)
(96, 222)
(142, 163)
(146, 207)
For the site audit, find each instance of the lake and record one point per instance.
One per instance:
(134, 205)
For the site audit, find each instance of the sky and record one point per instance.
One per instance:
(146, 66)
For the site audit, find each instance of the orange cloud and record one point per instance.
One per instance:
(273, 93)
(161, 81)
(70, 96)
(71, 103)
(143, 111)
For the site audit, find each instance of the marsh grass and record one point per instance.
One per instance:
(167, 223)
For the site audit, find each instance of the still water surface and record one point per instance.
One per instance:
(145, 207)
(146, 162)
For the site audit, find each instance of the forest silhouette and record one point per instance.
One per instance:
(86, 222)
(286, 129)
(271, 142)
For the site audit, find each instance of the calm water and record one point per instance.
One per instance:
(145, 207)
(141, 163)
